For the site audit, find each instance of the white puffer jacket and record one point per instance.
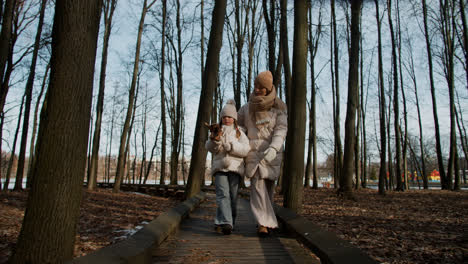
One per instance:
(271, 135)
(232, 160)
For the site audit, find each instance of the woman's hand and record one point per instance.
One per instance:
(270, 154)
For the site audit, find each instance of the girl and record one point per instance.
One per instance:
(227, 166)
(264, 118)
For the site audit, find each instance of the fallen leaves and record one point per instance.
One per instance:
(105, 218)
(429, 226)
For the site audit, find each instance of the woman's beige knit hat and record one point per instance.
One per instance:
(265, 79)
(229, 109)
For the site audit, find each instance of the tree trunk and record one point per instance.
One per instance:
(61, 157)
(338, 147)
(287, 71)
(175, 150)
(150, 160)
(390, 184)
(447, 32)
(270, 26)
(198, 160)
(440, 160)
(294, 163)
(5, 42)
(405, 185)
(251, 40)
(12, 153)
(421, 138)
(109, 7)
(32, 149)
(346, 178)
(110, 139)
(28, 93)
(465, 37)
(382, 108)
(396, 111)
(162, 176)
(123, 138)
(311, 166)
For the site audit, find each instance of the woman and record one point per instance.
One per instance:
(264, 119)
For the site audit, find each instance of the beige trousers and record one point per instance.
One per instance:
(261, 201)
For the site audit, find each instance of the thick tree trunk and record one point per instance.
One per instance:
(346, 178)
(60, 165)
(198, 160)
(294, 163)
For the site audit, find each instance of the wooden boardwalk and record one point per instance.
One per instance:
(197, 242)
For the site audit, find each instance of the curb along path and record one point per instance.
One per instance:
(197, 242)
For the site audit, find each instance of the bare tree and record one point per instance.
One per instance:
(346, 177)
(5, 40)
(32, 149)
(60, 165)
(131, 96)
(163, 94)
(433, 96)
(12, 152)
(313, 43)
(336, 96)
(412, 74)
(447, 30)
(465, 36)
(28, 98)
(198, 160)
(382, 106)
(108, 10)
(294, 164)
(396, 111)
(252, 36)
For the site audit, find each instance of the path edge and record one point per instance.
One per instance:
(138, 248)
(326, 245)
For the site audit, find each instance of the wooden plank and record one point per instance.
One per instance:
(197, 242)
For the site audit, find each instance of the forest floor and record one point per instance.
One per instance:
(416, 226)
(400, 227)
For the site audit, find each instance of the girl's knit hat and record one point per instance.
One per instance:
(265, 79)
(229, 109)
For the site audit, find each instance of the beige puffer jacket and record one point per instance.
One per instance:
(232, 160)
(271, 135)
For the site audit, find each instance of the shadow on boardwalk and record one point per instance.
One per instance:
(197, 242)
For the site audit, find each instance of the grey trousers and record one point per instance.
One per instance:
(227, 186)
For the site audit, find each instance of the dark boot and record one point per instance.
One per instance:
(227, 229)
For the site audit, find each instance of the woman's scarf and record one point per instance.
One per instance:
(259, 107)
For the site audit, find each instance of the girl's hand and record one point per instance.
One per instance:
(227, 146)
